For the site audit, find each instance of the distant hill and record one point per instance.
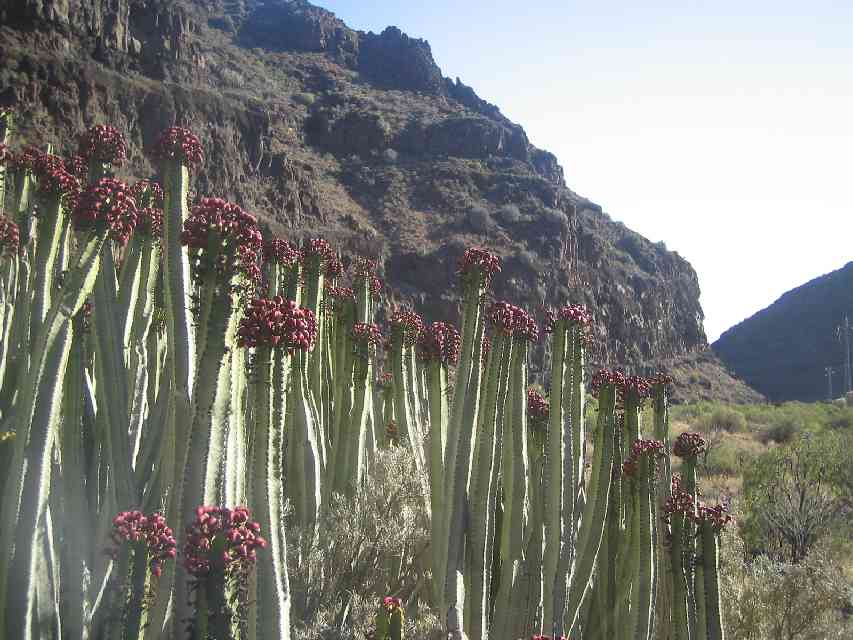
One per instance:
(782, 350)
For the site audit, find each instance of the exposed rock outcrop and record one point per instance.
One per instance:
(321, 129)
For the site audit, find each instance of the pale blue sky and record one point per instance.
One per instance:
(723, 128)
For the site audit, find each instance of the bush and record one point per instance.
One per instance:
(479, 219)
(305, 99)
(554, 217)
(782, 431)
(722, 419)
(371, 545)
(509, 214)
(767, 599)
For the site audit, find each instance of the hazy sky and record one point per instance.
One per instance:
(723, 128)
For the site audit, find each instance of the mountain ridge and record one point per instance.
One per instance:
(322, 129)
(783, 349)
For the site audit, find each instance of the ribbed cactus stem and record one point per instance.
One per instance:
(688, 479)
(211, 396)
(49, 233)
(680, 624)
(112, 384)
(466, 384)
(642, 601)
(271, 608)
(710, 557)
(350, 449)
(514, 474)
(700, 628)
(595, 509)
(37, 423)
(483, 489)
(303, 482)
(459, 444)
(555, 475)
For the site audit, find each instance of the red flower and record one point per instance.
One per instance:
(224, 238)
(281, 252)
(178, 143)
(5, 154)
(107, 205)
(385, 381)
(103, 143)
(640, 448)
(513, 321)
(390, 603)
(234, 527)
(688, 445)
(76, 166)
(716, 517)
(134, 526)
(317, 253)
(571, 314)
(368, 334)
(479, 262)
(605, 377)
(150, 222)
(408, 323)
(51, 176)
(277, 322)
(148, 193)
(439, 341)
(364, 269)
(537, 406)
(10, 237)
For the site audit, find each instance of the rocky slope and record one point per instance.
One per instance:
(782, 350)
(320, 129)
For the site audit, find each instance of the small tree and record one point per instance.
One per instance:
(795, 495)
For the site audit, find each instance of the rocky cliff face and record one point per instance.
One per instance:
(783, 350)
(320, 129)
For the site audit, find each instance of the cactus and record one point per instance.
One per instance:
(242, 372)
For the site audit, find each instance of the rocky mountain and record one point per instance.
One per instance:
(783, 350)
(321, 129)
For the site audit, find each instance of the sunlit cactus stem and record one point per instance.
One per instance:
(711, 521)
(595, 508)
(105, 209)
(476, 269)
(484, 487)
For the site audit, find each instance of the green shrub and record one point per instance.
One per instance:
(782, 431)
(479, 219)
(305, 99)
(722, 419)
(509, 214)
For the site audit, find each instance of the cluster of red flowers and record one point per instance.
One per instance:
(510, 320)
(636, 387)
(103, 143)
(479, 262)
(716, 516)
(52, 177)
(680, 502)
(368, 334)
(439, 341)
(485, 350)
(537, 406)
(281, 252)
(150, 222)
(5, 154)
(177, 143)
(24, 160)
(148, 193)
(660, 380)
(333, 268)
(317, 252)
(10, 237)
(239, 533)
(571, 314)
(108, 204)
(226, 238)
(688, 445)
(134, 526)
(339, 299)
(605, 377)
(365, 269)
(389, 603)
(277, 322)
(408, 324)
(76, 166)
(652, 448)
(385, 380)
